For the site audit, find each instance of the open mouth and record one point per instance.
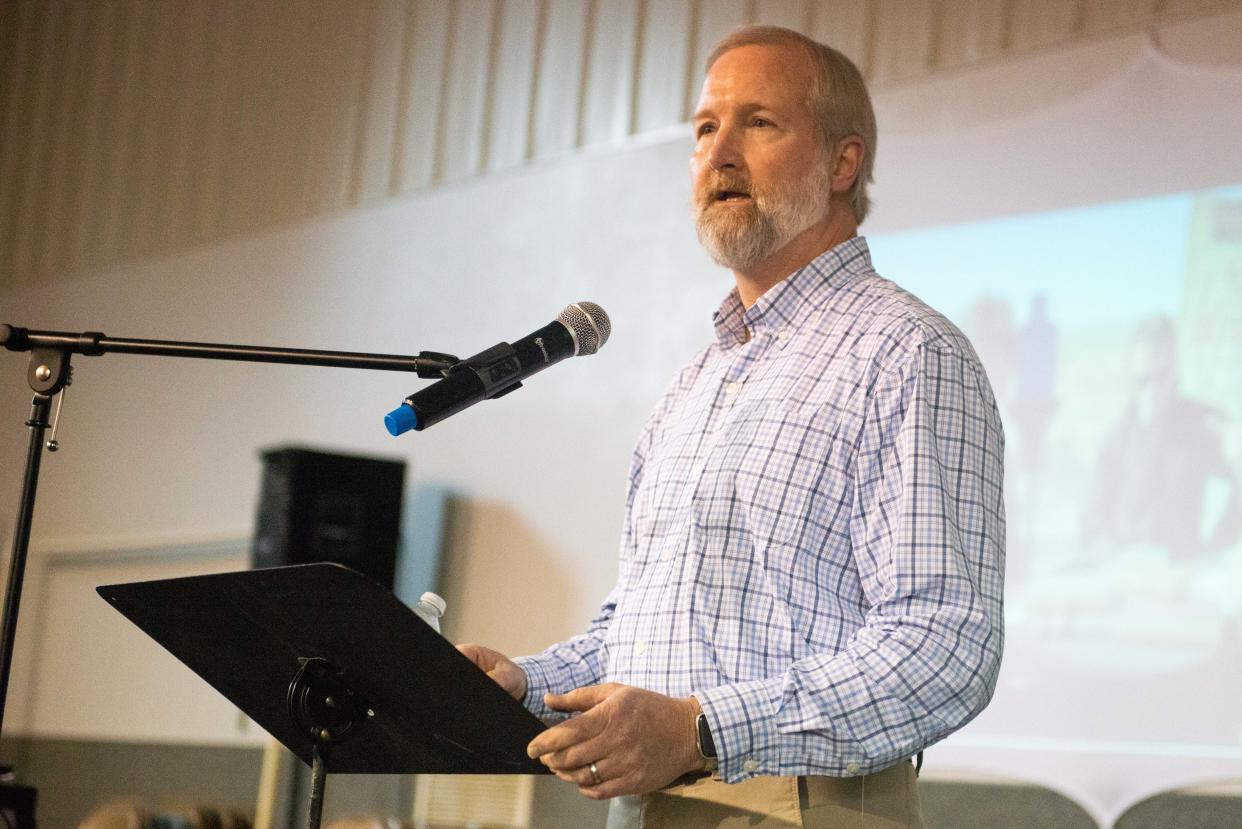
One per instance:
(731, 196)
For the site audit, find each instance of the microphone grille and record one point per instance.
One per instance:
(589, 325)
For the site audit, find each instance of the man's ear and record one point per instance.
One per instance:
(847, 162)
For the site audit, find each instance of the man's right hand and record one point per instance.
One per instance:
(499, 667)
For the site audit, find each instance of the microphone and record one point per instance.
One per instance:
(582, 328)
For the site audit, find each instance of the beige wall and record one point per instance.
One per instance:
(131, 127)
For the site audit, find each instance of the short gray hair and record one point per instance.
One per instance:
(838, 96)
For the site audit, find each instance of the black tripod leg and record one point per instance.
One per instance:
(21, 541)
(319, 779)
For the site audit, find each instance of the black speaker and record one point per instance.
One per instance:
(324, 506)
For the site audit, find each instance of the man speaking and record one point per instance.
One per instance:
(811, 570)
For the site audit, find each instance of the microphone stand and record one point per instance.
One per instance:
(49, 373)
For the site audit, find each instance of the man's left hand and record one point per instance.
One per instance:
(638, 740)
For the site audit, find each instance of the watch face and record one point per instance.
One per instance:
(707, 746)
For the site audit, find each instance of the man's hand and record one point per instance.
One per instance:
(638, 740)
(499, 667)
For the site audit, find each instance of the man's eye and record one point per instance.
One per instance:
(704, 129)
(761, 122)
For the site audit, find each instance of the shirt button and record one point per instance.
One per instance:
(853, 768)
(640, 648)
(731, 388)
(750, 766)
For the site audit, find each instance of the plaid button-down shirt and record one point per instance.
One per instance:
(814, 538)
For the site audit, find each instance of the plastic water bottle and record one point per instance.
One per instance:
(430, 608)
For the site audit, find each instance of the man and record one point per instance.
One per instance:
(811, 568)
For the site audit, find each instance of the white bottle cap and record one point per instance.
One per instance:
(434, 601)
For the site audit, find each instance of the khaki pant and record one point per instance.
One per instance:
(887, 799)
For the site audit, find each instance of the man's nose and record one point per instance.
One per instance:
(725, 154)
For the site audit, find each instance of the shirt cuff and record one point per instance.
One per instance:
(538, 683)
(756, 735)
(742, 718)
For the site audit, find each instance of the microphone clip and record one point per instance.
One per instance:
(432, 365)
(496, 367)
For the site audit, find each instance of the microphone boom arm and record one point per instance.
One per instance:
(429, 365)
(48, 374)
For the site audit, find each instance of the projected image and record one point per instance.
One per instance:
(1113, 338)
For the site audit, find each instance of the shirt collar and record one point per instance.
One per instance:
(786, 302)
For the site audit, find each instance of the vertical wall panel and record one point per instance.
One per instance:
(1103, 15)
(287, 117)
(365, 48)
(232, 201)
(38, 117)
(84, 211)
(903, 40)
(715, 19)
(1036, 23)
(21, 29)
(663, 61)
(196, 41)
(560, 65)
(332, 81)
(49, 238)
(129, 127)
(115, 132)
(243, 185)
(969, 30)
(420, 105)
(1178, 8)
(204, 211)
(373, 154)
(467, 70)
(844, 25)
(610, 71)
(16, 23)
(307, 91)
(792, 14)
(136, 128)
(163, 63)
(512, 84)
(288, 124)
(349, 56)
(589, 41)
(307, 170)
(9, 56)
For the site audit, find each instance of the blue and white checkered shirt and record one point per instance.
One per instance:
(814, 540)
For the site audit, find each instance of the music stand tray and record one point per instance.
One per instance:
(337, 669)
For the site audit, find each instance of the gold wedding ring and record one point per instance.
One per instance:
(594, 769)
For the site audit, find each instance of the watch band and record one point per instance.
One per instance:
(707, 746)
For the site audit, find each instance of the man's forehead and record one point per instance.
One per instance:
(761, 74)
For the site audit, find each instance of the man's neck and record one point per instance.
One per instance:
(754, 282)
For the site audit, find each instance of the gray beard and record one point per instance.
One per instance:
(738, 242)
(741, 239)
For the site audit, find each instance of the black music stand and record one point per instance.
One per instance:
(337, 669)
